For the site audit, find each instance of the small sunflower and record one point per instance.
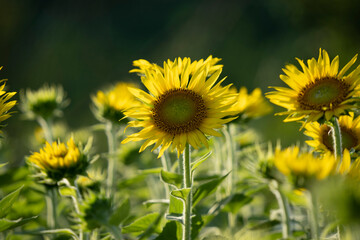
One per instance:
(111, 104)
(319, 90)
(293, 163)
(46, 102)
(59, 161)
(5, 104)
(322, 138)
(251, 105)
(184, 105)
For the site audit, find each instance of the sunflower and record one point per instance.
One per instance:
(348, 167)
(251, 105)
(184, 104)
(58, 160)
(5, 104)
(110, 104)
(319, 90)
(291, 162)
(322, 139)
(46, 102)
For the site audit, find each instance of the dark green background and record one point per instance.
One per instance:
(85, 45)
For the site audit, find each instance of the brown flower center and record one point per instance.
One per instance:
(323, 94)
(179, 111)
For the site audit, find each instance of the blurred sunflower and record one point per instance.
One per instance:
(58, 160)
(111, 104)
(46, 102)
(319, 90)
(184, 104)
(5, 106)
(348, 167)
(251, 105)
(322, 138)
(293, 163)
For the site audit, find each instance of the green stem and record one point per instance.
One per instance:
(75, 200)
(284, 208)
(46, 127)
(51, 204)
(187, 183)
(165, 166)
(111, 132)
(337, 139)
(232, 166)
(313, 215)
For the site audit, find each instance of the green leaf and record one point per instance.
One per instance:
(199, 161)
(171, 178)
(181, 193)
(151, 202)
(176, 207)
(141, 224)
(237, 201)
(7, 201)
(207, 188)
(65, 231)
(196, 224)
(121, 213)
(265, 225)
(67, 191)
(6, 224)
(168, 232)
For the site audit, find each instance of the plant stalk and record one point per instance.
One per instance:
(51, 204)
(284, 208)
(111, 132)
(313, 215)
(45, 125)
(187, 183)
(337, 139)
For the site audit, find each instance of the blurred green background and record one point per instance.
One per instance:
(86, 45)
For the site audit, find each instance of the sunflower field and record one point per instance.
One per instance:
(187, 142)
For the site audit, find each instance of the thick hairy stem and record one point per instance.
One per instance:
(187, 183)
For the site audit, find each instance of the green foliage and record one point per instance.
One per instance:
(206, 189)
(142, 224)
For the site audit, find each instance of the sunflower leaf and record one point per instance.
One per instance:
(7, 202)
(171, 178)
(207, 188)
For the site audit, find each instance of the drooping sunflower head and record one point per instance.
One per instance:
(251, 105)
(58, 161)
(46, 102)
(185, 103)
(5, 104)
(303, 166)
(111, 104)
(322, 137)
(319, 90)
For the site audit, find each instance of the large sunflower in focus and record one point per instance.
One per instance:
(320, 89)
(322, 138)
(184, 104)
